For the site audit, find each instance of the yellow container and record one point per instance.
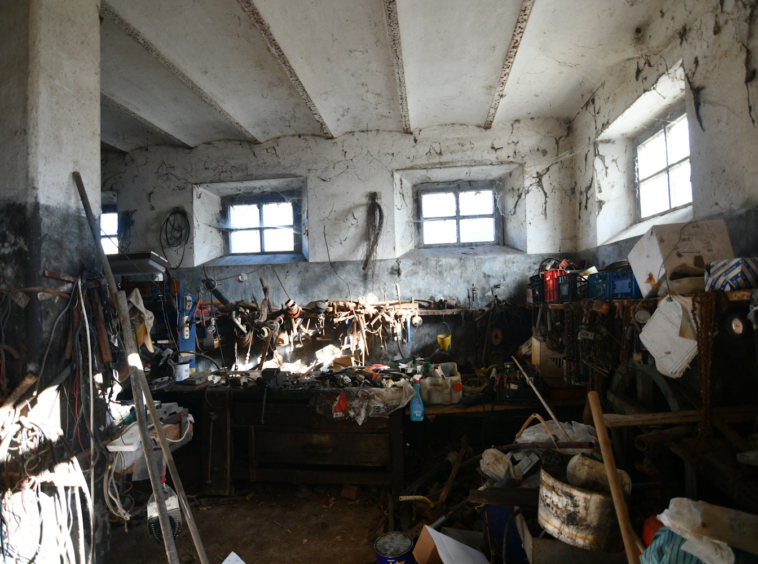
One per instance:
(444, 339)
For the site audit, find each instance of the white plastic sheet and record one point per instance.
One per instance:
(682, 516)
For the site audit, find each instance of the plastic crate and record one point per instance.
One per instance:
(624, 285)
(600, 286)
(537, 284)
(572, 287)
(551, 285)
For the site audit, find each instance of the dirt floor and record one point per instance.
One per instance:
(279, 524)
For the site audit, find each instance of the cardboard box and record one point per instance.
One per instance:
(730, 275)
(435, 548)
(678, 248)
(545, 359)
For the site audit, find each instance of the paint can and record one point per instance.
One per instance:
(394, 548)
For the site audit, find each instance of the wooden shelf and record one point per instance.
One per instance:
(725, 414)
(488, 408)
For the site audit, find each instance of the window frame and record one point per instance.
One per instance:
(661, 125)
(290, 197)
(108, 209)
(456, 189)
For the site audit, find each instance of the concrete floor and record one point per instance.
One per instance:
(280, 524)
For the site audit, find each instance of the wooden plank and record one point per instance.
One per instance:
(726, 414)
(321, 448)
(739, 295)
(479, 409)
(217, 451)
(396, 447)
(317, 476)
(15, 395)
(456, 311)
(521, 497)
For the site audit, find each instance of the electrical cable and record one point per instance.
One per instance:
(175, 232)
(85, 320)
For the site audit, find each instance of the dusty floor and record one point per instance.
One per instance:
(279, 524)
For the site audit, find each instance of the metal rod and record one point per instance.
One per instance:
(547, 407)
(138, 381)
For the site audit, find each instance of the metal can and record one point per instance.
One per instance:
(394, 548)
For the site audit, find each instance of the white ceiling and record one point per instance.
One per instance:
(187, 73)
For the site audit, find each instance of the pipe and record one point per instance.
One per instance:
(442, 468)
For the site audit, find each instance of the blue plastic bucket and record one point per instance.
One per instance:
(394, 548)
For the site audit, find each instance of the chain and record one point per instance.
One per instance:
(625, 320)
(704, 315)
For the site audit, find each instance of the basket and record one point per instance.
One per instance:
(572, 287)
(551, 285)
(600, 286)
(624, 285)
(537, 284)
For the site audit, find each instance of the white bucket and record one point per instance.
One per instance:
(578, 517)
(181, 371)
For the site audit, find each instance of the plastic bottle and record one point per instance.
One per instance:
(417, 405)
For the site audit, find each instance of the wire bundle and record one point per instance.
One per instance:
(175, 234)
(374, 224)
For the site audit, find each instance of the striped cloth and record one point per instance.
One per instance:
(666, 548)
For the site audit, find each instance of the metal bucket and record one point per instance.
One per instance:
(578, 517)
(394, 548)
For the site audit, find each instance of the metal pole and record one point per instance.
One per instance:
(550, 411)
(138, 382)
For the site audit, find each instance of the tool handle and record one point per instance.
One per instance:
(627, 533)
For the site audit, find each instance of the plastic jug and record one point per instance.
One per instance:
(417, 405)
(441, 391)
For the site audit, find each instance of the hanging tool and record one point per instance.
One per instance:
(138, 381)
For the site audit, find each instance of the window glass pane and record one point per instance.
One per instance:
(651, 156)
(481, 230)
(681, 189)
(242, 216)
(245, 241)
(110, 245)
(278, 240)
(678, 140)
(654, 195)
(438, 205)
(476, 203)
(439, 232)
(109, 223)
(277, 214)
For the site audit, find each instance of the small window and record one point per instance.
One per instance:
(457, 216)
(109, 232)
(263, 225)
(663, 168)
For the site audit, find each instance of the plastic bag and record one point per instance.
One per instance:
(682, 516)
(577, 432)
(496, 465)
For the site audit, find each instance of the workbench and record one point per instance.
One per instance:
(288, 440)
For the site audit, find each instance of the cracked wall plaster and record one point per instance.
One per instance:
(341, 172)
(714, 41)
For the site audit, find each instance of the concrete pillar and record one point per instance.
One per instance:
(49, 127)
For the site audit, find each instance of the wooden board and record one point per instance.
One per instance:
(726, 414)
(480, 410)
(321, 448)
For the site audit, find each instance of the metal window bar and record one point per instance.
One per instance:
(282, 198)
(497, 235)
(667, 169)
